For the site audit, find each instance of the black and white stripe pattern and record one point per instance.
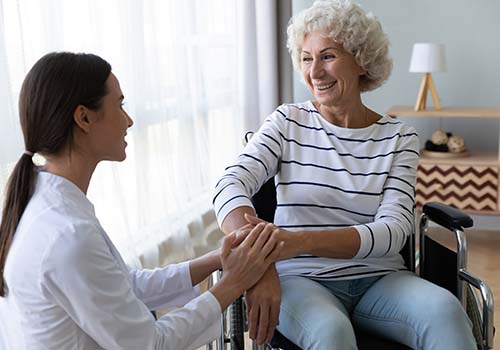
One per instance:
(329, 177)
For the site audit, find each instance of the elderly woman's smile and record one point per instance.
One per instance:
(322, 87)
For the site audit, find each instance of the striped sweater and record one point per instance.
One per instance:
(329, 177)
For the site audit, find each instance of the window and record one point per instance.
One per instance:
(177, 65)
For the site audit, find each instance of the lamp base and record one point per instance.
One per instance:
(427, 84)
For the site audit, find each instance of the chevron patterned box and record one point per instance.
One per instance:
(467, 187)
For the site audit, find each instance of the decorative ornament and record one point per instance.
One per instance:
(456, 144)
(439, 137)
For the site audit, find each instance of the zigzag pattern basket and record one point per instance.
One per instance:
(464, 187)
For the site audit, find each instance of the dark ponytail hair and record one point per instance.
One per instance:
(51, 91)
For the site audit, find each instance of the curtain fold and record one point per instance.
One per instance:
(259, 63)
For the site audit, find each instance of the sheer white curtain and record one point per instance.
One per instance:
(195, 75)
(259, 64)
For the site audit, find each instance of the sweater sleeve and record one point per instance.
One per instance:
(258, 162)
(395, 218)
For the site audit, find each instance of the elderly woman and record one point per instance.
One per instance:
(345, 178)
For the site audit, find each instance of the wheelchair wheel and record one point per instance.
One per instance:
(237, 322)
(475, 315)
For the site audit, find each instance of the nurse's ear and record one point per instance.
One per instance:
(84, 118)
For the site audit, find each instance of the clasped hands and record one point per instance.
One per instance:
(263, 297)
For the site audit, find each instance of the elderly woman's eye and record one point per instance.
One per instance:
(328, 56)
(306, 59)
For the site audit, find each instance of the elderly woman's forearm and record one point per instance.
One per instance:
(339, 244)
(236, 219)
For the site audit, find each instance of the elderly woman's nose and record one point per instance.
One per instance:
(316, 69)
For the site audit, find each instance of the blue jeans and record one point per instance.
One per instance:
(398, 306)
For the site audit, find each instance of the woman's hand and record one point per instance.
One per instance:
(263, 306)
(293, 242)
(264, 299)
(245, 255)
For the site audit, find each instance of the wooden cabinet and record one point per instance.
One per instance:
(469, 183)
(467, 187)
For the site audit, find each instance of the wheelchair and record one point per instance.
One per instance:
(474, 295)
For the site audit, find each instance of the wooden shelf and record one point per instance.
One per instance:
(452, 112)
(478, 159)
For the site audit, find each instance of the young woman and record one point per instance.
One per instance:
(63, 285)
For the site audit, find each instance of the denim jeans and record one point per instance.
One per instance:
(319, 315)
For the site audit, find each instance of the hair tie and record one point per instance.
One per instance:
(28, 153)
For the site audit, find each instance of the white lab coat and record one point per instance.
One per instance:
(68, 287)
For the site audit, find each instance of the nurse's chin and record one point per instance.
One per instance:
(117, 158)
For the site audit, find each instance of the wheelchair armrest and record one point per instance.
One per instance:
(488, 306)
(447, 216)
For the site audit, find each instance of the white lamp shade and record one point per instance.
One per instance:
(428, 58)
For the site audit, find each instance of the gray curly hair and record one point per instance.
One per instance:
(345, 22)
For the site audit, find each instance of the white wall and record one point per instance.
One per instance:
(470, 29)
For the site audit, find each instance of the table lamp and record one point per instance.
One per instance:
(427, 58)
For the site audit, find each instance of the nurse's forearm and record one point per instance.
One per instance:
(226, 291)
(200, 268)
